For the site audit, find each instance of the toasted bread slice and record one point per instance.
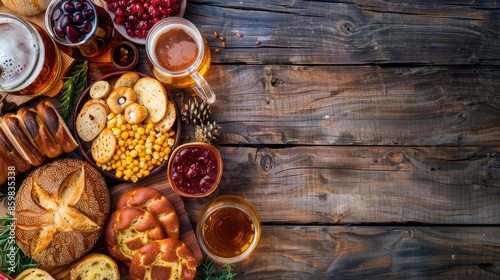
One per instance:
(95, 266)
(103, 146)
(168, 121)
(34, 274)
(91, 120)
(127, 80)
(152, 94)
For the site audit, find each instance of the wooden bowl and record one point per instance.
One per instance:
(124, 55)
(84, 147)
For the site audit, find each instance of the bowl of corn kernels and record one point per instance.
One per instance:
(120, 132)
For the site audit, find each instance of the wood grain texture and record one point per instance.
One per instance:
(351, 32)
(356, 185)
(363, 252)
(356, 105)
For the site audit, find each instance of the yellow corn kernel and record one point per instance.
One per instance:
(133, 153)
(150, 139)
(119, 174)
(134, 178)
(167, 150)
(145, 172)
(129, 160)
(124, 135)
(171, 133)
(116, 131)
(150, 126)
(171, 141)
(141, 130)
(135, 169)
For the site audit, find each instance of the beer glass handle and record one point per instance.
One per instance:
(203, 89)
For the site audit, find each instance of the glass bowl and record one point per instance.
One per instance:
(228, 229)
(194, 169)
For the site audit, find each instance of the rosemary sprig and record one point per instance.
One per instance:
(12, 259)
(75, 83)
(208, 270)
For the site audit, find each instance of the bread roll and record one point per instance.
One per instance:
(155, 203)
(56, 125)
(12, 127)
(34, 274)
(166, 259)
(61, 209)
(95, 266)
(39, 134)
(7, 150)
(128, 229)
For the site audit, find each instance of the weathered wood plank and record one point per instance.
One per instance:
(351, 32)
(357, 105)
(354, 185)
(360, 252)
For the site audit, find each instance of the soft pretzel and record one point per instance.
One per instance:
(128, 229)
(166, 259)
(154, 202)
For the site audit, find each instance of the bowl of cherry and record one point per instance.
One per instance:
(134, 18)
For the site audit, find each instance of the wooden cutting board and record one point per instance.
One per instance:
(160, 183)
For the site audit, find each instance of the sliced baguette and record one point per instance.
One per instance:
(91, 120)
(168, 121)
(95, 266)
(34, 274)
(151, 94)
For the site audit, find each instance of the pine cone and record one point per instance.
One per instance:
(196, 111)
(207, 133)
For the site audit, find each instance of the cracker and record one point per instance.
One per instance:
(103, 146)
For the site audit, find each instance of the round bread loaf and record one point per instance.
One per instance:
(165, 259)
(128, 229)
(61, 209)
(27, 8)
(155, 203)
(95, 266)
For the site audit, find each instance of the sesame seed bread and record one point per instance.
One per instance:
(61, 209)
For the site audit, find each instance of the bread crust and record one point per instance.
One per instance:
(7, 150)
(39, 134)
(12, 127)
(56, 125)
(165, 259)
(61, 210)
(95, 266)
(128, 229)
(154, 202)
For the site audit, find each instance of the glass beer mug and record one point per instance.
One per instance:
(178, 56)
(30, 61)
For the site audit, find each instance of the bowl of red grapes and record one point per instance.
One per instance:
(134, 18)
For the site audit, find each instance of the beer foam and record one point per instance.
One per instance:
(18, 52)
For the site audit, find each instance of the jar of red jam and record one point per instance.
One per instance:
(194, 169)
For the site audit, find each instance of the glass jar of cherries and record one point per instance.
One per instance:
(82, 29)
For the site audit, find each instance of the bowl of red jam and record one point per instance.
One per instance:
(194, 169)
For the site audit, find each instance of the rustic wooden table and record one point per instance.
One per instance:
(365, 133)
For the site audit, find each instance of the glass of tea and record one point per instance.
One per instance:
(82, 29)
(228, 229)
(30, 61)
(178, 56)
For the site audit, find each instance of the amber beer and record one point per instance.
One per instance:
(228, 229)
(30, 61)
(179, 56)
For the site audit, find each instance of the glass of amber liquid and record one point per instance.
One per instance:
(178, 56)
(30, 61)
(228, 229)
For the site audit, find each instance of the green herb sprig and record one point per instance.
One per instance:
(12, 259)
(208, 270)
(75, 83)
